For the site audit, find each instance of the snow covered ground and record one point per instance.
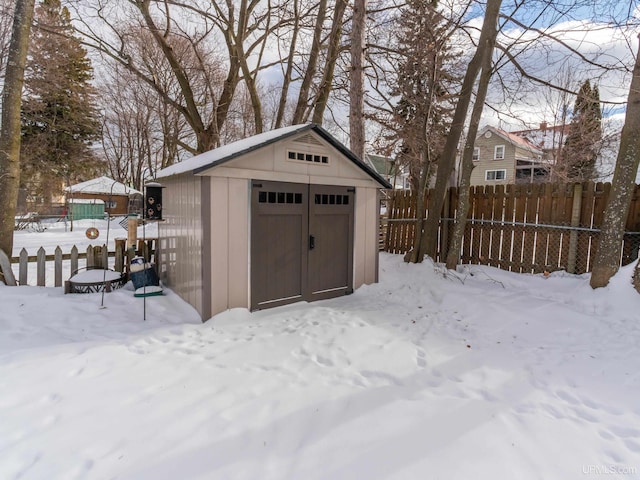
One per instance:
(426, 375)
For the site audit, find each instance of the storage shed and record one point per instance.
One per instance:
(283, 216)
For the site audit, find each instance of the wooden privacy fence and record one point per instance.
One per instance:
(522, 228)
(94, 256)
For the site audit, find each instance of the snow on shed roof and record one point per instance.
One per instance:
(103, 185)
(233, 150)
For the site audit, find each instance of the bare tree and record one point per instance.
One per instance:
(453, 255)
(356, 96)
(334, 47)
(429, 234)
(203, 104)
(143, 133)
(607, 259)
(310, 71)
(10, 129)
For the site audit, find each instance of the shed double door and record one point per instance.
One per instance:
(301, 242)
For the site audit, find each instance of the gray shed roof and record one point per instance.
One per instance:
(226, 153)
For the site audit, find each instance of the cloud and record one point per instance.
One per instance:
(564, 55)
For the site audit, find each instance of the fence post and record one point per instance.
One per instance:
(23, 267)
(74, 260)
(576, 210)
(105, 257)
(57, 267)
(41, 265)
(90, 259)
(5, 270)
(120, 249)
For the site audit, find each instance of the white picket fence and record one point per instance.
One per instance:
(45, 269)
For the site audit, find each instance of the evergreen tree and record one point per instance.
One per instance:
(424, 75)
(59, 113)
(578, 159)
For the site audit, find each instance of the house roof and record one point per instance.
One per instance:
(546, 137)
(382, 165)
(102, 185)
(226, 153)
(511, 138)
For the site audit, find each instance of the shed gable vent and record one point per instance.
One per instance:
(307, 157)
(308, 139)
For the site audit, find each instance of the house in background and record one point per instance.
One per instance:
(388, 169)
(118, 198)
(502, 157)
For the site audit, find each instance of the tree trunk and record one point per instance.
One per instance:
(446, 164)
(607, 259)
(288, 73)
(356, 95)
(10, 130)
(326, 84)
(412, 255)
(305, 87)
(453, 257)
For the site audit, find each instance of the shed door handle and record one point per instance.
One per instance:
(312, 242)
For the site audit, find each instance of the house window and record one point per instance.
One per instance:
(499, 152)
(110, 204)
(476, 154)
(495, 174)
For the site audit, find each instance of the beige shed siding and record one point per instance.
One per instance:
(239, 219)
(219, 245)
(181, 239)
(372, 219)
(365, 250)
(229, 244)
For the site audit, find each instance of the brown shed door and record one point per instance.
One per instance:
(301, 242)
(330, 241)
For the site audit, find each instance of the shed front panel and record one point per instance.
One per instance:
(279, 230)
(330, 241)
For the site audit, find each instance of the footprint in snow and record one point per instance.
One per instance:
(606, 435)
(586, 416)
(323, 361)
(420, 359)
(613, 455)
(50, 420)
(567, 397)
(76, 372)
(625, 432)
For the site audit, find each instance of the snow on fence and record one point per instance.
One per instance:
(523, 228)
(53, 269)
